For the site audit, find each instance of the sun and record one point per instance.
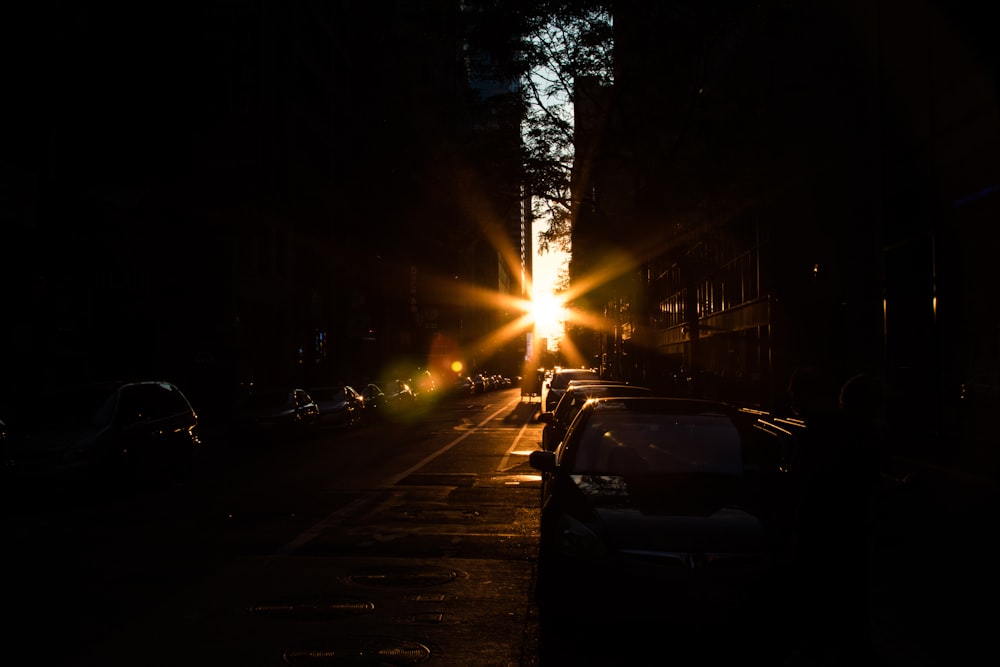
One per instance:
(548, 311)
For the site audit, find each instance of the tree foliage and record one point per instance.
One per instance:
(562, 41)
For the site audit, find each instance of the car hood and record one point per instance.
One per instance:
(663, 512)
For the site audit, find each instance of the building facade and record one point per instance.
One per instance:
(801, 185)
(270, 204)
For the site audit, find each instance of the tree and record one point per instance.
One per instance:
(563, 41)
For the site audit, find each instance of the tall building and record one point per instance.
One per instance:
(251, 191)
(800, 190)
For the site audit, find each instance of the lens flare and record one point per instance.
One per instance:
(548, 312)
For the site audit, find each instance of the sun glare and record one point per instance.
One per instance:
(548, 311)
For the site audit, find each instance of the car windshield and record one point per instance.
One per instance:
(628, 443)
(562, 379)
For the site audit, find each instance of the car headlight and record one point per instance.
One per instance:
(575, 540)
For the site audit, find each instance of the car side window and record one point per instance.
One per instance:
(582, 455)
(131, 408)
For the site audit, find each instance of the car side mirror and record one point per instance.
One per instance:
(542, 461)
(545, 417)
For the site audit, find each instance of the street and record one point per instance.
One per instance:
(399, 543)
(410, 539)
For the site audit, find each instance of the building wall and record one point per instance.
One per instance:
(213, 211)
(844, 155)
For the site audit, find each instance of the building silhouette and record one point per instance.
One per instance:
(766, 186)
(252, 192)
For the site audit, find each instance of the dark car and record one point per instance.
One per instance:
(339, 405)
(102, 431)
(389, 398)
(557, 421)
(648, 501)
(463, 386)
(561, 379)
(423, 382)
(276, 415)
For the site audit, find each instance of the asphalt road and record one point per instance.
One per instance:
(407, 542)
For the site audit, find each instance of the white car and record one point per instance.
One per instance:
(561, 379)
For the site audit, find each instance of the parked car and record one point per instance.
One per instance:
(113, 431)
(480, 384)
(560, 379)
(646, 501)
(396, 397)
(401, 394)
(276, 415)
(463, 386)
(557, 421)
(339, 405)
(423, 382)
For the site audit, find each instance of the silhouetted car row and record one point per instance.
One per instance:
(480, 383)
(270, 415)
(339, 405)
(124, 431)
(289, 414)
(641, 495)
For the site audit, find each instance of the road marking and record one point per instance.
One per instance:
(420, 464)
(313, 531)
(505, 464)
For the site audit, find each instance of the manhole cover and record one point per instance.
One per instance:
(404, 575)
(358, 650)
(315, 607)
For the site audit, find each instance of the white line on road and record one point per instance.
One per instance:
(334, 518)
(420, 464)
(505, 464)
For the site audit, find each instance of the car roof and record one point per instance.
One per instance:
(576, 371)
(579, 384)
(591, 380)
(615, 389)
(663, 404)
